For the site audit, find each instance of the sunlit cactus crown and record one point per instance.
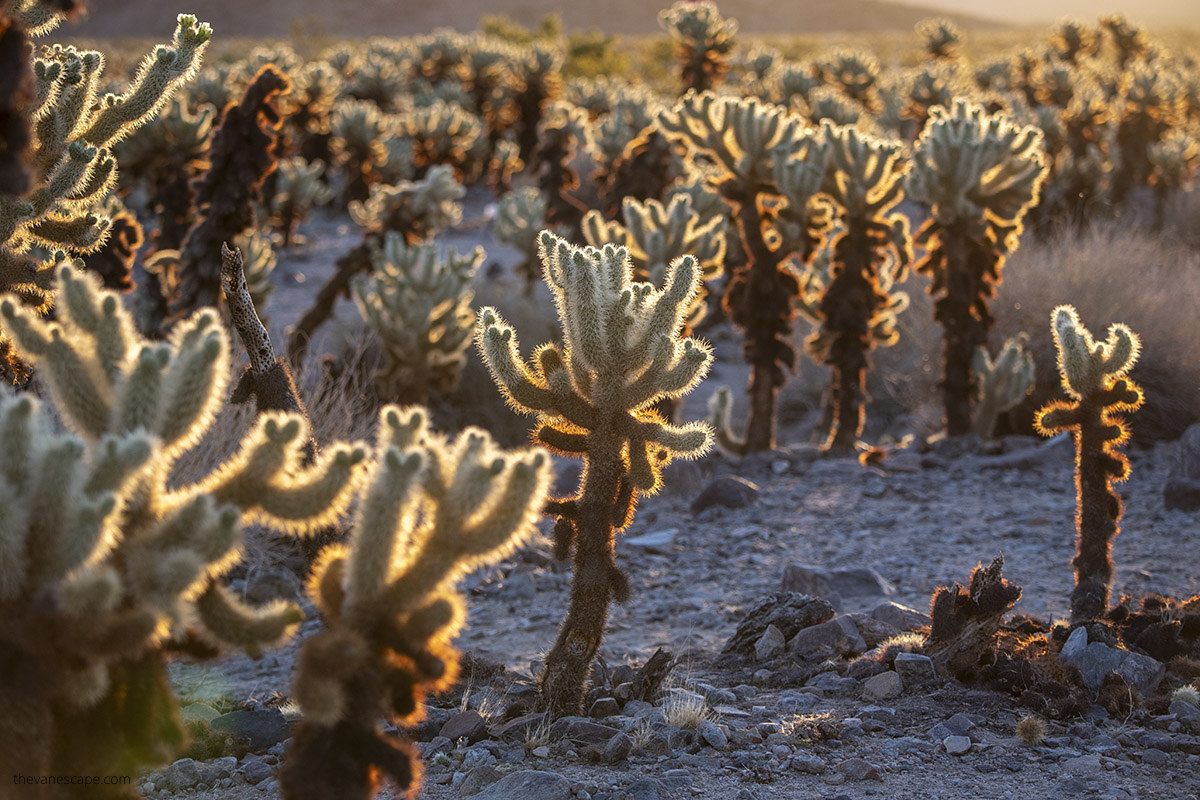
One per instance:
(621, 353)
(866, 178)
(969, 165)
(428, 205)
(1088, 366)
(699, 26)
(91, 522)
(520, 215)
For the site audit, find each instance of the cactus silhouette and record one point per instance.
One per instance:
(430, 510)
(594, 396)
(126, 566)
(978, 174)
(1094, 378)
(704, 39)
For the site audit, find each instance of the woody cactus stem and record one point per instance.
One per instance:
(1093, 376)
(978, 174)
(594, 397)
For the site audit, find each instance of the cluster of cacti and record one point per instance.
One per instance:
(520, 217)
(108, 562)
(430, 510)
(1094, 378)
(978, 174)
(593, 396)
(298, 191)
(562, 131)
(418, 304)
(704, 39)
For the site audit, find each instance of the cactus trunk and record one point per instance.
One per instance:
(569, 663)
(848, 307)
(1097, 522)
(962, 330)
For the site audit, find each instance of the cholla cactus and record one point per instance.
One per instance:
(1148, 108)
(298, 190)
(430, 511)
(855, 74)
(746, 140)
(935, 84)
(520, 216)
(105, 563)
(561, 132)
(871, 254)
(704, 39)
(74, 129)
(415, 210)
(594, 396)
(655, 235)
(826, 103)
(315, 89)
(419, 305)
(446, 133)
(1174, 162)
(540, 76)
(1003, 383)
(791, 82)
(113, 262)
(1094, 377)
(357, 144)
(1073, 41)
(978, 174)
(941, 38)
(1128, 40)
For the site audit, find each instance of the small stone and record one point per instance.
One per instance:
(884, 686)
(874, 632)
(646, 789)
(661, 542)
(199, 711)
(813, 765)
(468, 724)
(727, 491)
(256, 771)
(517, 729)
(1096, 660)
(858, 769)
(957, 745)
(914, 668)
(898, 616)
(1155, 758)
(528, 785)
(713, 735)
(540, 752)
(588, 732)
(1084, 766)
(792, 702)
(1187, 714)
(677, 778)
(1158, 740)
(478, 779)
(790, 612)
(183, 774)
(618, 749)
(604, 707)
(770, 644)
(846, 582)
(828, 640)
(961, 725)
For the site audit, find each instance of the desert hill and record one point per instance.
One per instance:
(149, 18)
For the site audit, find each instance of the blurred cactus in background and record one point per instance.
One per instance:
(594, 396)
(298, 191)
(418, 304)
(978, 175)
(357, 146)
(941, 38)
(1003, 383)
(704, 39)
(520, 217)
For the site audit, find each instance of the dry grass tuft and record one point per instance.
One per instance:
(685, 710)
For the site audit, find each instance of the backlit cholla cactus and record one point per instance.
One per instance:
(520, 217)
(445, 133)
(704, 39)
(978, 174)
(419, 306)
(1148, 106)
(430, 511)
(871, 252)
(562, 131)
(855, 74)
(1129, 41)
(1003, 383)
(633, 157)
(594, 396)
(1173, 162)
(655, 235)
(299, 189)
(107, 560)
(74, 127)
(746, 139)
(414, 209)
(1074, 41)
(1094, 378)
(540, 77)
(358, 130)
(941, 38)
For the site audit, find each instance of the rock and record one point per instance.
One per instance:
(1187, 714)
(961, 725)
(588, 732)
(832, 682)
(478, 779)
(957, 745)
(540, 752)
(727, 491)
(661, 542)
(604, 707)
(487, 697)
(468, 724)
(712, 734)
(646, 789)
(858, 769)
(528, 784)
(263, 727)
(793, 702)
(914, 668)
(1157, 740)
(1085, 766)
(1097, 659)
(1155, 758)
(874, 632)
(813, 765)
(183, 774)
(898, 616)
(830, 639)
(618, 749)
(256, 771)
(788, 611)
(517, 729)
(770, 644)
(199, 711)
(1070, 784)
(846, 582)
(1182, 490)
(884, 686)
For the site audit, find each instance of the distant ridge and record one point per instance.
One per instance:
(261, 18)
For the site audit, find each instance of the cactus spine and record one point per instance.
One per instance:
(104, 564)
(430, 511)
(978, 174)
(594, 397)
(1094, 378)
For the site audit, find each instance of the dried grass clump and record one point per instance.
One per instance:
(1113, 273)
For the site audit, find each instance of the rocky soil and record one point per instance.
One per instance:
(789, 716)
